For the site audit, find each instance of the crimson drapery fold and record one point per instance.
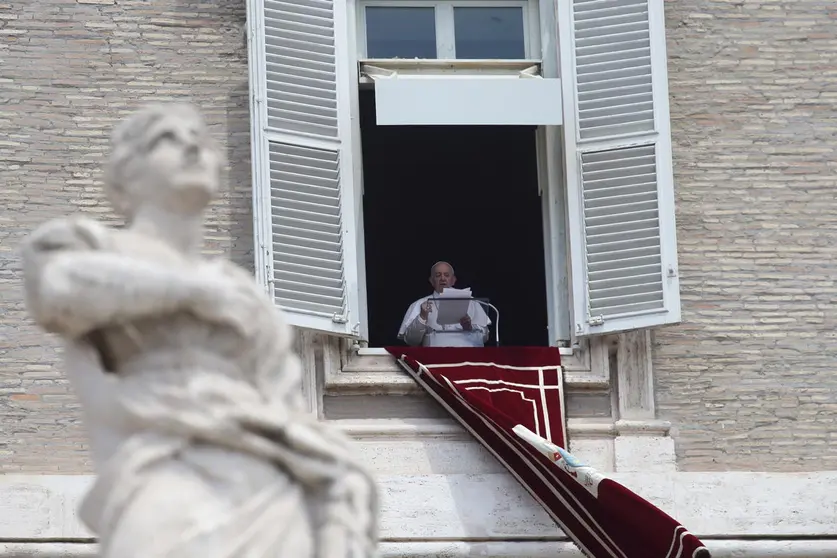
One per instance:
(511, 400)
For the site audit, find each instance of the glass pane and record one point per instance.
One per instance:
(489, 33)
(400, 32)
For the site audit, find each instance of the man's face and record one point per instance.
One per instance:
(442, 277)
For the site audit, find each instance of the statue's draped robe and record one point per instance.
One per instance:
(217, 470)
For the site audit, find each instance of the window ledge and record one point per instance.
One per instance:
(377, 351)
(400, 429)
(373, 371)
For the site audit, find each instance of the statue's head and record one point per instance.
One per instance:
(163, 156)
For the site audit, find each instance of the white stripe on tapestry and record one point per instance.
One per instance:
(520, 393)
(514, 445)
(492, 364)
(542, 389)
(505, 383)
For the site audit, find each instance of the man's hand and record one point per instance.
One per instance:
(426, 308)
(466, 323)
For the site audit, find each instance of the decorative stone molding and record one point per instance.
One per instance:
(370, 372)
(642, 442)
(745, 515)
(506, 549)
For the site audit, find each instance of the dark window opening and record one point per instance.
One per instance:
(464, 194)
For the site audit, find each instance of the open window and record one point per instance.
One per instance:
(465, 194)
(598, 144)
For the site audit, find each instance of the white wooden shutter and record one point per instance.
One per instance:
(617, 141)
(306, 206)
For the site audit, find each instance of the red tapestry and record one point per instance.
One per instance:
(510, 399)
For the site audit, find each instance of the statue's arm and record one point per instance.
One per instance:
(72, 289)
(82, 291)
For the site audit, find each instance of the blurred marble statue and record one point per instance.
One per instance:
(183, 366)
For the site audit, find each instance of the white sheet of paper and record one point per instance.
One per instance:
(452, 310)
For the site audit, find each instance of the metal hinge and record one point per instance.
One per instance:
(340, 319)
(596, 320)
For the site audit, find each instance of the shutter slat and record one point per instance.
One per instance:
(291, 203)
(290, 23)
(640, 275)
(307, 235)
(627, 42)
(633, 209)
(317, 73)
(610, 88)
(318, 218)
(597, 32)
(321, 8)
(619, 190)
(617, 129)
(605, 62)
(281, 232)
(311, 274)
(296, 99)
(328, 267)
(294, 301)
(602, 182)
(613, 120)
(299, 126)
(607, 248)
(305, 176)
(601, 115)
(625, 97)
(652, 285)
(309, 242)
(312, 189)
(625, 267)
(610, 9)
(625, 309)
(617, 217)
(315, 248)
(300, 67)
(608, 78)
(638, 233)
(301, 179)
(312, 291)
(621, 228)
(630, 195)
(629, 252)
(613, 62)
(279, 45)
(317, 117)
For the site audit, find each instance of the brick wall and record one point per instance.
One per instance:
(68, 71)
(749, 379)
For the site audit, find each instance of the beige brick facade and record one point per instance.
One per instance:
(747, 379)
(68, 70)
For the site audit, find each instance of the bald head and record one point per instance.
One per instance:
(442, 276)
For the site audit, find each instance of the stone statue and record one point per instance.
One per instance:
(183, 366)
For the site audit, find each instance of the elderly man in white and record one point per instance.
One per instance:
(421, 328)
